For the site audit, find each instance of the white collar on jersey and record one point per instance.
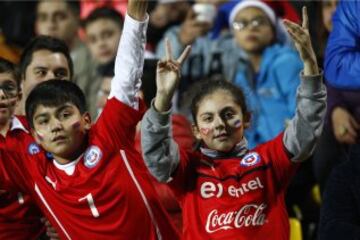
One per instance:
(16, 124)
(68, 168)
(239, 150)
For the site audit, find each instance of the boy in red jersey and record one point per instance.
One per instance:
(89, 181)
(226, 190)
(19, 217)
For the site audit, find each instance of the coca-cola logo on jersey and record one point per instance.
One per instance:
(250, 215)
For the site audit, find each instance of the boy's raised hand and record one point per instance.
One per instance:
(137, 9)
(167, 77)
(302, 40)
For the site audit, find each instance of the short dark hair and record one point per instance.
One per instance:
(104, 13)
(44, 43)
(54, 93)
(74, 6)
(207, 87)
(9, 67)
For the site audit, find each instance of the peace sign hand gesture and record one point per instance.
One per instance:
(168, 77)
(302, 39)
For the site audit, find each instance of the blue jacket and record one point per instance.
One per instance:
(270, 94)
(342, 56)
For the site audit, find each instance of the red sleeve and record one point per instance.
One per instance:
(276, 155)
(183, 177)
(182, 133)
(13, 171)
(116, 125)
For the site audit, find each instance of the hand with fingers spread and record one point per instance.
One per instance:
(168, 77)
(302, 40)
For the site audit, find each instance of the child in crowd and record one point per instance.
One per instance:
(268, 71)
(59, 19)
(88, 180)
(226, 190)
(103, 29)
(19, 217)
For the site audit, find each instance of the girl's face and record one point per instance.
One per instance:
(220, 121)
(253, 30)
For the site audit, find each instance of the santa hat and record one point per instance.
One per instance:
(252, 3)
(280, 30)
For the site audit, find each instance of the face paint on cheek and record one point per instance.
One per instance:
(205, 131)
(237, 123)
(76, 125)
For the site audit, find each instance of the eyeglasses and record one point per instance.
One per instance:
(254, 23)
(10, 90)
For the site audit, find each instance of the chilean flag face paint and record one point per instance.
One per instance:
(76, 125)
(205, 131)
(237, 123)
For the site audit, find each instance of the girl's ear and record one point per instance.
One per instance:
(196, 131)
(247, 118)
(87, 120)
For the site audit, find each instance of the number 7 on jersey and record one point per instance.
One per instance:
(91, 203)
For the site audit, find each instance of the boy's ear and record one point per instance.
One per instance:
(247, 119)
(87, 120)
(196, 131)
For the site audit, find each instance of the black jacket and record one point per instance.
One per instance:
(340, 212)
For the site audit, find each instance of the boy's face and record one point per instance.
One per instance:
(55, 18)
(254, 32)
(45, 65)
(61, 130)
(8, 90)
(102, 39)
(220, 121)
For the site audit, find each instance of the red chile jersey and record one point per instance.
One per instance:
(108, 195)
(19, 216)
(235, 198)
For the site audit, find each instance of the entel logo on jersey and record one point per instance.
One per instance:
(33, 149)
(92, 156)
(250, 159)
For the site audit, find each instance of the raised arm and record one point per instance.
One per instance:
(160, 152)
(305, 128)
(130, 55)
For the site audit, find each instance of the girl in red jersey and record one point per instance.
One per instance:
(226, 190)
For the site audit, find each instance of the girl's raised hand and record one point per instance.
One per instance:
(168, 77)
(302, 40)
(301, 37)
